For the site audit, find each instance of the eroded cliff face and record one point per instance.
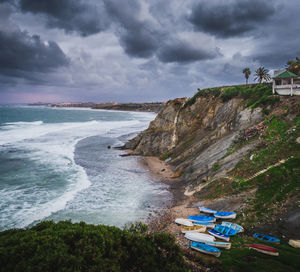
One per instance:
(196, 137)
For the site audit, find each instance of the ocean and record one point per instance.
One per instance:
(55, 164)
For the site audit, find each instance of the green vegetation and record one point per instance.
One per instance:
(254, 95)
(216, 167)
(278, 142)
(271, 189)
(240, 258)
(211, 92)
(274, 187)
(294, 66)
(65, 246)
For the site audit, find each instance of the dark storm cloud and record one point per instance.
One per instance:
(83, 17)
(139, 38)
(183, 52)
(230, 18)
(21, 52)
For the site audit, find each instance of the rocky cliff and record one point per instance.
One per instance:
(228, 142)
(195, 137)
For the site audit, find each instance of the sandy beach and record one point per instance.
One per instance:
(181, 205)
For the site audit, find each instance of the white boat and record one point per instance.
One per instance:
(184, 222)
(206, 210)
(199, 237)
(234, 226)
(219, 244)
(294, 243)
(193, 229)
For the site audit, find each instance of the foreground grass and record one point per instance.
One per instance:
(65, 246)
(240, 258)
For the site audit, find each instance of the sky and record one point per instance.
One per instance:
(138, 50)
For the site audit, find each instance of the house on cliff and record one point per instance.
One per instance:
(286, 83)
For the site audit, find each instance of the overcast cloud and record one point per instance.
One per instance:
(138, 50)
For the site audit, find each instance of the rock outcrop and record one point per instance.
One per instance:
(195, 137)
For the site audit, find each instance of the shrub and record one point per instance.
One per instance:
(65, 246)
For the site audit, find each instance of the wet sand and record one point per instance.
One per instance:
(181, 205)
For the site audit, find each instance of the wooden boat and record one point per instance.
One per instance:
(266, 238)
(219, 244)
(225, 215)
(264, 249)
(193, 229)
(199, 237)
(207, 225)
(294, 243)
(184, 222)
(206, 210)
(234, 226)
(219, 235)
(202, 218)
(207, 249)
(225, 230)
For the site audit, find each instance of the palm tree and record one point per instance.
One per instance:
(262, 73)
(247, 73)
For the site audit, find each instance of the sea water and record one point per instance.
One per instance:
(55, 164)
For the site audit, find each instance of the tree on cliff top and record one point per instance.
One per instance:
(247, 73)
(262, 74)
(294, 66)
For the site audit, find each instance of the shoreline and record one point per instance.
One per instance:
(180, 205)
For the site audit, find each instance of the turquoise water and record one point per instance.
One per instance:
(55, 164)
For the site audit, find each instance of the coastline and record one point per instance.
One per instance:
(180, 206)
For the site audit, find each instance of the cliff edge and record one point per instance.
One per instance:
(226, 143)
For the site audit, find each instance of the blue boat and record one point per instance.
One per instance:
(225, 230)
(225, 215)
(219, 235)
(206, 249)
(202, 218)
(266, 238)
(234, 226)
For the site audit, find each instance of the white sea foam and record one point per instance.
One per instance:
(52, 144)
(35, 123)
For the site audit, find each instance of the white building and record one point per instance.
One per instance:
(286, 83)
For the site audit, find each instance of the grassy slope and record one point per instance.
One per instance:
(274, 188)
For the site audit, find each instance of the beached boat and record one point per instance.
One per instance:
(202, 218)
(184, 222)
(225, 230)
(219, 244)
(294, 243)
(207, 225)
(234, 226)
(264, 249)
(219, 235)
(225, 215)
(193, 229)
(266, 238)
(199, 237)
(206, 210)
(207, 249)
